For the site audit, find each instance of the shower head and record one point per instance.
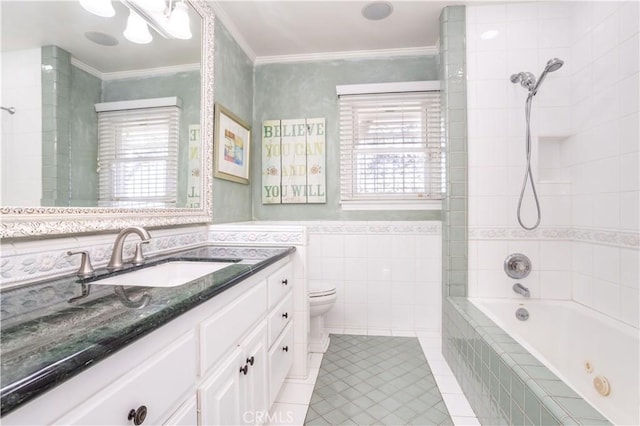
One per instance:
(553, 64)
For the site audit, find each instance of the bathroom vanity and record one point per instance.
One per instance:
(213, 351)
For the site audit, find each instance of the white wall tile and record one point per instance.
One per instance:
(629, 18)
(606, 297)
(628, 56)
(630, 300)
(605, 34)
(555, 285)
(630, 268)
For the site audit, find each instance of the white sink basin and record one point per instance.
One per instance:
(169, 274)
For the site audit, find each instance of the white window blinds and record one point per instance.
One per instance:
(138, 157)
(391, 147)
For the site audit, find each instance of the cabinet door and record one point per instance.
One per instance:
(254, 385)
(220, 397)
(186, 415)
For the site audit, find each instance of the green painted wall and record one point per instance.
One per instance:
(307, 90)
(233, 89)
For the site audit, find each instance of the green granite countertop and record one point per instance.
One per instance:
(46, 339)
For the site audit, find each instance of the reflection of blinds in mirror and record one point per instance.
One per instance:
(391, 147)
(138, 157)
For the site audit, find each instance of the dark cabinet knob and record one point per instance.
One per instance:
(285, 281)
(138, 415)
(244, 369)
(285, 315)
(285, 348)
(250, 360)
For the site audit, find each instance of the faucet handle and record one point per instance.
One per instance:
(85, 270)
(138, 258)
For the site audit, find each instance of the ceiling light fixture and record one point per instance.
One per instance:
(170, 21)
(102, 8)
(377, 10)
(137, 30)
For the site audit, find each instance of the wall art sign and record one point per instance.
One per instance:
(293, 161)
(232, 138)
(194, 183)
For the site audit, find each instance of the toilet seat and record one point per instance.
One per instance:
(322, 289)
(320, 293)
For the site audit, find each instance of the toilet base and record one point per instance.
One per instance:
(318, 337)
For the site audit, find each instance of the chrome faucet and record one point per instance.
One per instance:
(520, 289)
(118, 246)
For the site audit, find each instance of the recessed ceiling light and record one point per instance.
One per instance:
(377, 10)
(101, 38)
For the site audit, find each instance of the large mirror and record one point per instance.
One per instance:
(98, 131)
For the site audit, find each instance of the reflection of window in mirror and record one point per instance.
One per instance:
(138, 153)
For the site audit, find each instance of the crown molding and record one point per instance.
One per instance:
(220, 13)
(353, 54)
(134, 73)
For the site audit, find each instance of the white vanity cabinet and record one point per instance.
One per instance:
(221, 363)
(238, 389)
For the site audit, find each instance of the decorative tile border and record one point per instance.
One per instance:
(28, 261)
(593, 235)
(250, 233)
(366, 227)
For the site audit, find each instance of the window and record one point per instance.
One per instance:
(138, 157)
(391, 150)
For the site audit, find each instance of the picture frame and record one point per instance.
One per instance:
(231, 146)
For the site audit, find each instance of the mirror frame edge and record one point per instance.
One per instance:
(16, 222)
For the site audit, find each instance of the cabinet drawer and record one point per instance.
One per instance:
(158, 384)
(281, 315)
(280, 283)
(223, 330)
(280, 361)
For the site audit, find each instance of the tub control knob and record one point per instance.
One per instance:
(517, 266)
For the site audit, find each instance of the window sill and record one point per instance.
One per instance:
(392, 205)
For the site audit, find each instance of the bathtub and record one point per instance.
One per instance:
(578, 345)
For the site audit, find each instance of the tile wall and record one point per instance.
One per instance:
(452, 69)
(21, 132)
(56, 93)
(387, 274)
(585, 151)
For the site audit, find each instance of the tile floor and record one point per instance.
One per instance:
(371, 391)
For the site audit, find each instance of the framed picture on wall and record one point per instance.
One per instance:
(231, 142)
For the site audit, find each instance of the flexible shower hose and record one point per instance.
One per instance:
(527, 174)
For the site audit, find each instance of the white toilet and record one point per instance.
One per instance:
(322, 297)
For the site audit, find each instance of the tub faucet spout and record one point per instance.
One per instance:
(520, 289)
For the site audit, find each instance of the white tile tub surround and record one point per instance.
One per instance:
(586, 153)
(25, 261)
(278, 234)
(21, 157)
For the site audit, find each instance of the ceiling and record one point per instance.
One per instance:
(283, 28)
(266, 30)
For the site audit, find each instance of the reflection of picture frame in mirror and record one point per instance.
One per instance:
(231, 141)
